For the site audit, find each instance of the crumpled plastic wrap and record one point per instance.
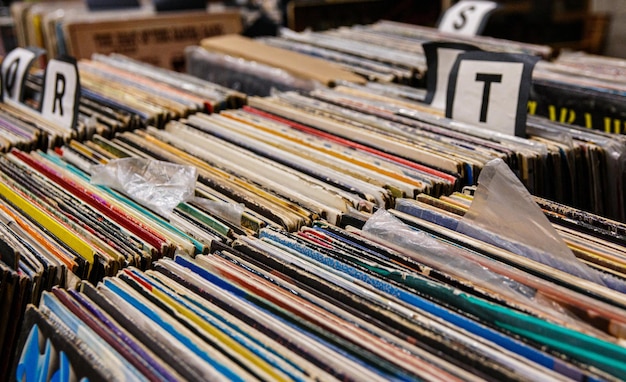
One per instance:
(246, 76)
(231, 212)
(447, 258)
(504, 214)
(441, 256)
(158, 185)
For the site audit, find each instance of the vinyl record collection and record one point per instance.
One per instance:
(574, 88)
(388, 51)
(383, 303)
(562, 162)
(557, 162)
(57, 228)
(384, 52)
(116, 96)
(332, 234)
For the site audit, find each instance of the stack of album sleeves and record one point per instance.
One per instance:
(574, 166)
(387, 302)
(388, 51)
(332, 234)
(384, 52)
(570, 157)
(575, 88)
(382, 299)
(57, 228)
(117, 94)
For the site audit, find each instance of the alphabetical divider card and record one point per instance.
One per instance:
(61, 87)
(467, 17)
(61, 92)
(491, 90)
(15, 68)
(440, 58)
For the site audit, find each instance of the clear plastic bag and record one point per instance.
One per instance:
(441, 256)
(158, 185)
(385, 228)
(504, 214)
(231, 212)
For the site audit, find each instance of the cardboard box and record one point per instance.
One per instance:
(158, 39)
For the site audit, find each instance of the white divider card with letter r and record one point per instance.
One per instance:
(491, 90)
(467, 17)
(61, 86)
(60, 100)
(440, 57)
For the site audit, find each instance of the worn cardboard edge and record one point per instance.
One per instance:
(295, 63)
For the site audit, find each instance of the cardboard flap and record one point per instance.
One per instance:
(295, 63)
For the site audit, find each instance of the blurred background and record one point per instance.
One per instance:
(595, 26)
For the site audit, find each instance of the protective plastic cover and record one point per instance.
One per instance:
(385, 228)
(158, 185)
(504, 213)
(441, 256)
(230, 212)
